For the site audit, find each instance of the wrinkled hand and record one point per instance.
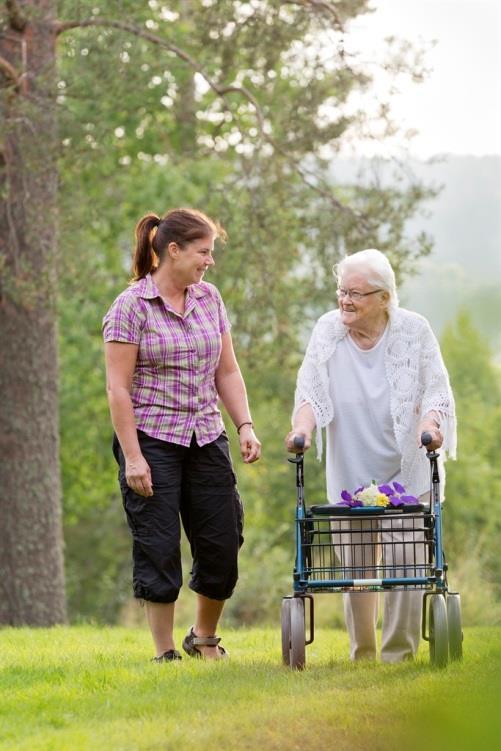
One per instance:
(250, 446)
(138, 476)
(435, 433)
(289, 441)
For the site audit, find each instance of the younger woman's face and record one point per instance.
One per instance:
(192, 261)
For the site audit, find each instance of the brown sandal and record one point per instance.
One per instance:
(169, 656)
(191, 642)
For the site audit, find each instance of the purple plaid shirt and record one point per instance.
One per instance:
(173, 388)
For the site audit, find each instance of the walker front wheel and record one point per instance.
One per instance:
(454, 626)
(439, 638)
(286, 630)
(298, 634)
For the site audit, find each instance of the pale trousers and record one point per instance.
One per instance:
(401, 622)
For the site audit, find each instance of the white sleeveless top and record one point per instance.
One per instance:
(361, 443)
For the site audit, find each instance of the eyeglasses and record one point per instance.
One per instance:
(341, 293)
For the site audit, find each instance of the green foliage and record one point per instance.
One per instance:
(469, 360)
(141, 132)
(473, 508)
(89, 689)
(149, 104)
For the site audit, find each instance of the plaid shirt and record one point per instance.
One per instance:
(173, 387)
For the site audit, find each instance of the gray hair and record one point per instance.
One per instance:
(375, 267)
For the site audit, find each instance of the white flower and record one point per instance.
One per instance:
(368, 496)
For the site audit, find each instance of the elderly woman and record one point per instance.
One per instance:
(374, 378)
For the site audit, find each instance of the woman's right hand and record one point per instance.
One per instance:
(289, 441)
(138, 476)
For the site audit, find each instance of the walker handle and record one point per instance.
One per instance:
(298, 442)
(426, 438)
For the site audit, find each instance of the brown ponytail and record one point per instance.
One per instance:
(181, 226)
(145, 259)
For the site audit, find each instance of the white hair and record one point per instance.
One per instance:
(375, 267)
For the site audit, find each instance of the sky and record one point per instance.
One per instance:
(458, 109)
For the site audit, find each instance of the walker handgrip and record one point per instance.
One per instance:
(426, 438)
(298, 442)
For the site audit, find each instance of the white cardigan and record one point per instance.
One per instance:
(418, 384)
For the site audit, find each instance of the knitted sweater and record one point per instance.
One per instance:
(418, 384)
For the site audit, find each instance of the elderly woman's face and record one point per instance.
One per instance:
(359, 301)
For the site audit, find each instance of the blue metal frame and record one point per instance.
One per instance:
(437, 582)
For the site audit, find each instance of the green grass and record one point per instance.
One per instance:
(84, 688)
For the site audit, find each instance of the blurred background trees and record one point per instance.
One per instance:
(472, 510)
(240, 109)
(141, 130)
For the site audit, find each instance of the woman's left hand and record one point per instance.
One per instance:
(250, 446)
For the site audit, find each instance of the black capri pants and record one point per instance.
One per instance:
(197, 484)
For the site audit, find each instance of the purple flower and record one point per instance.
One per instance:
(399, 488)
(346, 504)
(386, 489)
(408, 499)
(358, 490)
(356, 504)
(395, 501)
(346, 496)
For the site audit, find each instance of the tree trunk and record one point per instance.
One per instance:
(185, 105)
(31, 558)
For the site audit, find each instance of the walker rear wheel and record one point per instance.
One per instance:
(298, 634)
(286, 630)
(439, 638)
(455, 630)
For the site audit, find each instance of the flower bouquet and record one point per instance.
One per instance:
(378, 496)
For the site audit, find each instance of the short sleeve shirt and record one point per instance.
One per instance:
(173, 387)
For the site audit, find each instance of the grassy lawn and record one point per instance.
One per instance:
(94, 688)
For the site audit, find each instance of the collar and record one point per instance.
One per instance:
(148, 290)
(145, 288)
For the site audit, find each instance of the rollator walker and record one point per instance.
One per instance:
(335, 553)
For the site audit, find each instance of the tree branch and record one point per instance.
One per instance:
(60, 27)
(310, 179)
(319, 5)
(9, 71)
(17, 20)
